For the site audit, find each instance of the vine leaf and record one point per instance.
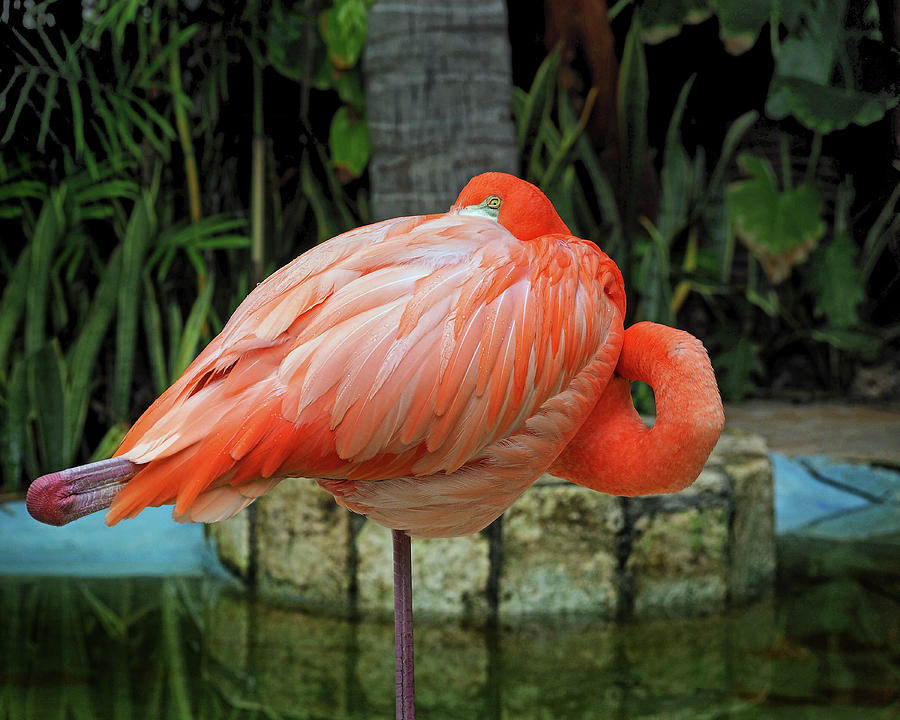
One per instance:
(349, 142)
(780, 227)
(344, 29)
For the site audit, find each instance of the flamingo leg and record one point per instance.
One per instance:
(403, 627)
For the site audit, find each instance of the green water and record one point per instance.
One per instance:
(135, 649)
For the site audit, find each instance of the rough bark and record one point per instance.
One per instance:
(439, 97)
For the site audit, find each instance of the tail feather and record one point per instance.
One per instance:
(60, 497)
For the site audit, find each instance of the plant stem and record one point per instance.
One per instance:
(814, 154)
(785, 151)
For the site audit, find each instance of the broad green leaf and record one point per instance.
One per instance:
(823, 44)
(823, 108)
(736, 366)
(780, 227)
(345, 28)
(740, 22)
(836, 282)
(348, 140)
(854, 341)
(350, 89)
(663, 19)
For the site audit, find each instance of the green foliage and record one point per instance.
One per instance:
(349, 142)
(738, 364)
(632, 100)
(822, 76)
(819, 77)
(55, 330)
(836, 282)
(740, 21)
(685, 254)
(780, 227)
(115, 151)
(344, 28)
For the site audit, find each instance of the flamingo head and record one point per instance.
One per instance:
(516, 204)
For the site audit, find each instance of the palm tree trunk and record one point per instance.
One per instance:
(439, 96)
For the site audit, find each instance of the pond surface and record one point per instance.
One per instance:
(142, 648)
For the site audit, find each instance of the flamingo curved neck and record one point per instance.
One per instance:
(614, 452)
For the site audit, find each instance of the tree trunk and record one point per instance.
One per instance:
(439, 101)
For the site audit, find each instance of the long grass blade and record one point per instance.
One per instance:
(153, 333)
(134, 247)
(30, 79)
(676, 175)
(536, 107)
(319, 205)
(46, 391)
(83, 354)
(193, 327)
(878, 236)
(47, 234)
(15, 418)
(12, 303)
(633, 93)
(729, 145)
(49, 104)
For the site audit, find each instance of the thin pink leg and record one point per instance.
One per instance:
(403, 627)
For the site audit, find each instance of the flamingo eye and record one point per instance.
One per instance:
(488, 208)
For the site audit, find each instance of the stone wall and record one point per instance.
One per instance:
(559, 549)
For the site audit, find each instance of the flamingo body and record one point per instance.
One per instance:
(428, 369)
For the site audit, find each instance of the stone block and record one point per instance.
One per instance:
(678, 562)
(450, 575)
(303, 540)
(559, 551)
(232, 539)
(752, 547)
(709, 546)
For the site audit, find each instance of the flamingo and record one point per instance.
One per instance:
(426, 370)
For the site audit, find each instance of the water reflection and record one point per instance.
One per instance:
(189, 648)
